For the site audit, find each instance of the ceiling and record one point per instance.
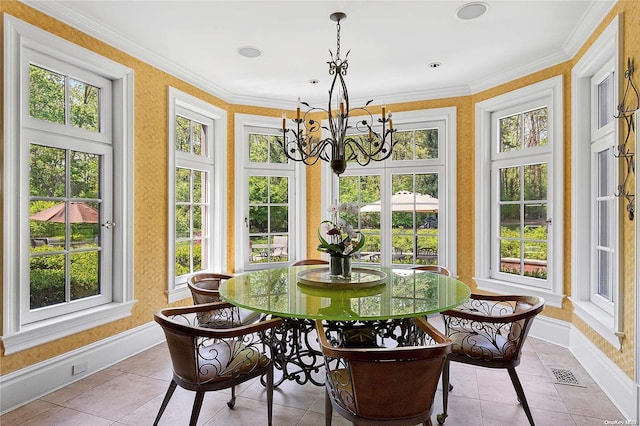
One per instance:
(391, 43)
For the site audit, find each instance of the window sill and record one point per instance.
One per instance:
(503, 287)
(178, 293)
(601, 322)
(49, 330)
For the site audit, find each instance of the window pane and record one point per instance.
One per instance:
(258, 192)
(46, 95)
(197, 221)
(258, 148)
(603, 224)
(510, 221)
(197, 138)
(84, 102)
(258, 220)
(604, 263)
(47, 279)
(535, 128)
(182, 221)
(85, 175)
(603, 173)
(510, 184)
(276, 151)
(279, 218)
(199, 186)
(183, 258)
(510, 133)
(535, 260)
(426, 144)
(279, 189)
(535, 182)
(605, 102)
(84, 274)
(183, 134)
(403, 148)
(47, 171)
(510, 257)
(183, 185)
(199, 255)
(535, 220)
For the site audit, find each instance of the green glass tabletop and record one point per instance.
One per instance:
(373, 294)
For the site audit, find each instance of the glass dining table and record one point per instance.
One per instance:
(378, 300)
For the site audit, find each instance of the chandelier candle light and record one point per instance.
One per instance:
(360, 143)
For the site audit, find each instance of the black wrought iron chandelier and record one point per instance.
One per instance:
(359, 142)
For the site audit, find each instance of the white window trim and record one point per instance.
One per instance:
(177, 289)
(607, 326)
(16, 337)
(298, 245)
(547, 88)
(448, 114)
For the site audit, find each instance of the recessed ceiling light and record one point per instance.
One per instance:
(249, 52)
(472, 10)
(314, 81)
(435, 64)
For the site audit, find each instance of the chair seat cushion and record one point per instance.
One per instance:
(487, 347)
(228, 359)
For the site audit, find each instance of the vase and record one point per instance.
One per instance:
(340, 266)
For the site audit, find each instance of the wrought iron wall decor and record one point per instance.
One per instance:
(339, 147)
(626, 110)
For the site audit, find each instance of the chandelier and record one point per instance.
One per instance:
(358, 142)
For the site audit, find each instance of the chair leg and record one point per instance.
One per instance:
(197, 405)
(446, 387)
(270, 395)
(165, 401)
(328, 408)
(232, 402)
(520, 392)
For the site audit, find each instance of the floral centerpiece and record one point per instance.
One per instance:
(340, 240)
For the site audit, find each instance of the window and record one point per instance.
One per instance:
(68, 177)
(596, 291)
(270, 204)
(518, 171)
(196, 182)
(407, 202)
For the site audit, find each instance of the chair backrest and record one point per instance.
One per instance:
(204, 287)
(433, 268)
(310, 262)
(202, 355)
(492, 328)
(385, 383)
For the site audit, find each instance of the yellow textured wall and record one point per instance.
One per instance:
(151, 86)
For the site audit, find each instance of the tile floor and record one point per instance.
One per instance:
(130, 393)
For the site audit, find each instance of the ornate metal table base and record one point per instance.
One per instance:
(295, 351)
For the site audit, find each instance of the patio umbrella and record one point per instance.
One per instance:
(78, 213)
(405, 201)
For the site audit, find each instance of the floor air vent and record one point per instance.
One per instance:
(565, 377)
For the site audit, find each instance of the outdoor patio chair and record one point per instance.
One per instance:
(393, 385)
(489, 331)
(208, 359)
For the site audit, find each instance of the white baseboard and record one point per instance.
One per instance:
(30, 383)
(617, 385)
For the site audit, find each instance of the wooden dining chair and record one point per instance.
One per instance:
(208, 358)
(489, 331)
(204, 287)
(433, 268)
(382, 385)
(310, 262)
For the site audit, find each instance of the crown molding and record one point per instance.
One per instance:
(93, 28)
(592, 17)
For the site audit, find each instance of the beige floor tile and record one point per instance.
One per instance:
(60, 416)
(498, 414)
(81, 386)
(252, 412)
(26, 412)
(588, 401)
(178, 411)
(464, 380)
(119, 396)
(461, 411)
